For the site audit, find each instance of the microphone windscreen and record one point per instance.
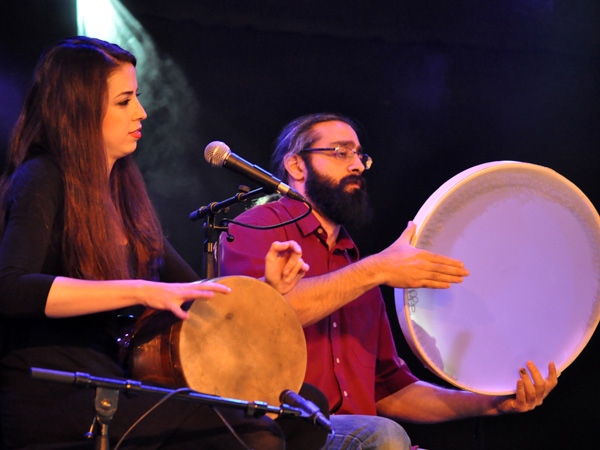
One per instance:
(216, 152)
(283, 396)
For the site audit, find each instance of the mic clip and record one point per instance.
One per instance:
(310, 411)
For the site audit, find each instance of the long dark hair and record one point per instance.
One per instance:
(62, 118)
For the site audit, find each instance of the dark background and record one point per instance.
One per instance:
(438, 87)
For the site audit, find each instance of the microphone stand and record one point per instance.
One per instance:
(212, 231)
(107, 396)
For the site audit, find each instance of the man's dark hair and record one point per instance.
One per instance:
(298, 135)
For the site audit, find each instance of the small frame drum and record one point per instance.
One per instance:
(531, 241)
(246, 345)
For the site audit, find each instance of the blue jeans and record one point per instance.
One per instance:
(353, 432)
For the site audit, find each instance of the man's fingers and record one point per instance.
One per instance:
(408, 233)
(552, 374)
(287, 246)
(447, 262)
(293, 264)
(432, 275)
(300, 268)
(538, 381)
(530, 389)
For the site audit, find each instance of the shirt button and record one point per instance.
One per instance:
(337, 360)
(334, 324)
(345, 394)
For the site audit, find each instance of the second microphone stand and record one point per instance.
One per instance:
(212, 231)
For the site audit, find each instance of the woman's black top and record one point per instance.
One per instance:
(33, 410)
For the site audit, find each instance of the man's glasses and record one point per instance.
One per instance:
(344, 153)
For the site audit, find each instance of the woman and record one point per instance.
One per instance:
(80, 242)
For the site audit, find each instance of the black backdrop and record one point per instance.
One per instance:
(438, 87)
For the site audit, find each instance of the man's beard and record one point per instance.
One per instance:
(348, 208)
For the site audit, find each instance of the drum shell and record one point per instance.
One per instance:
(153, 353)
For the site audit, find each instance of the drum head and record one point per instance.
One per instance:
(247, 345)
(531, 241)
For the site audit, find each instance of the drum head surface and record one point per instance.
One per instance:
(531, 241)
(247, 345)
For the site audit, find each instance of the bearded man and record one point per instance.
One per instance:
(351, 353)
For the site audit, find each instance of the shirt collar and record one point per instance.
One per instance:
(310, 224)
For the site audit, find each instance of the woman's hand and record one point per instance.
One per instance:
(172, 296)
(70, 297)
(284, 266)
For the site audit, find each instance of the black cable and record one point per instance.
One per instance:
(160, 402)
(164, 399)
(228, 425)
(270, 227)
(329, 439)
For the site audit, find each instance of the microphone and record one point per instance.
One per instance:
(218, 154)
(309, 409)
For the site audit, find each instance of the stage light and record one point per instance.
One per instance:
(96, 18)
(111, 21)
(166, 94)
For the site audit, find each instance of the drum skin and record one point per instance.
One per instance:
(531, 241)
(246, 345)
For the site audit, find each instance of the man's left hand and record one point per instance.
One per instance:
(532, 389)
(284, 266)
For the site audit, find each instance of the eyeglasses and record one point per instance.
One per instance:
(344, 153)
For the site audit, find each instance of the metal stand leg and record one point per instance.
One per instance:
(106, 406)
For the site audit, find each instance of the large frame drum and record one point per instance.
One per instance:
(531, 241)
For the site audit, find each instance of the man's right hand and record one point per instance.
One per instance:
(404, 266)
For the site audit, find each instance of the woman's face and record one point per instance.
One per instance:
(121, 126)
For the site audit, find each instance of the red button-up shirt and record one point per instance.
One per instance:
(351, 353)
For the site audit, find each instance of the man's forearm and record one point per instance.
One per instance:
(422, 402)
(317, 297)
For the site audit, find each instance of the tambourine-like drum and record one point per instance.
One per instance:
(246, 345)
(531, 241)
